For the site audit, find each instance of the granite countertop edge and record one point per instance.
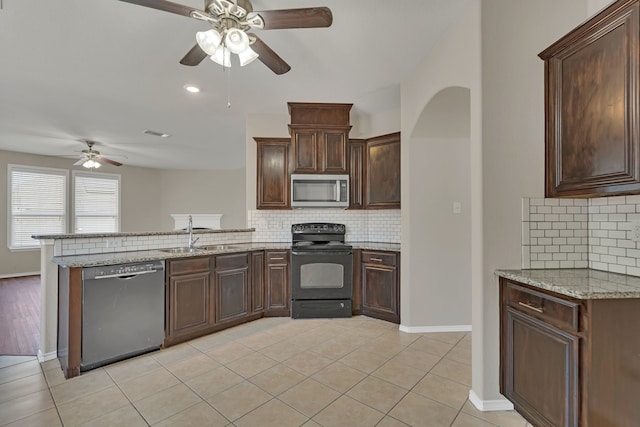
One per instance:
(137, 233)
(581, 283)
(112, 258)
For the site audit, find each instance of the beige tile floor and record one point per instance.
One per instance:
(271, 372)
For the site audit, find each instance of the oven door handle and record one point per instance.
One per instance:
(320, 253)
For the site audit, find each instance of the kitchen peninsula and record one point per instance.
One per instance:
(234, 279)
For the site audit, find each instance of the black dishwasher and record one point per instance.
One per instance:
(122, 312)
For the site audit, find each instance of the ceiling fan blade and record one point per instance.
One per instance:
(268, 57)
(168, 6)
(105, 160)
(194, 56)
(309, 17)
(79, 162)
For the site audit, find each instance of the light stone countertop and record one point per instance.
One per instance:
(113, 258)
(581, 283)
(138, 233)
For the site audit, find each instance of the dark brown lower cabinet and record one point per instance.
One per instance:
(188, 298)
(543, 365)
(381, 285)
(356, 295)
(257, 282)
(569, 362)
(277, 279)
(231, 287)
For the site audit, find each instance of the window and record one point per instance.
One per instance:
(37, 203)
(96, 202)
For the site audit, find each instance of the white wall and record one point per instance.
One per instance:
(513, 33)
(201, 192)
(376, 124)
(436, 170)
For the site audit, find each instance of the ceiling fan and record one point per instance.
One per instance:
(230, 21)
(91, 159)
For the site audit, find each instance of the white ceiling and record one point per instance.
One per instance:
(107, 70)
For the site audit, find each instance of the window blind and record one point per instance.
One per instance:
(37, 204)
(96, 202)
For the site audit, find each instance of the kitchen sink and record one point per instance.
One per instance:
(181, 250)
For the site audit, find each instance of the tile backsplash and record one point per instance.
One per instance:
(580, 233)
(100, 245)
(366, 225)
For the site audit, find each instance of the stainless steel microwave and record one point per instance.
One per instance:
(319, 191)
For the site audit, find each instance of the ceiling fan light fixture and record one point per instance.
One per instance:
(222, 56)
(247, 56)
(236, 40)
(91, 164)
(209, 41)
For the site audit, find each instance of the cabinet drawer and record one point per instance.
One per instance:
(561, 313)
(379, 258)
(277, 257)
(190, 265)
(232, 261)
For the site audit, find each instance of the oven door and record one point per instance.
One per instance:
(321, 274)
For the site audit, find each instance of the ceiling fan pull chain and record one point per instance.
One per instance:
(228, 70)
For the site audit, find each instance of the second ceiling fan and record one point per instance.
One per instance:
(230, 22)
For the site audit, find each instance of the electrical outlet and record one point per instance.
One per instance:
(635, 231)
(457, 207)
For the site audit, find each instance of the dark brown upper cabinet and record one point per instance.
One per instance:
(592, 106)
(382, 172)
(272, 190)
(319, 137)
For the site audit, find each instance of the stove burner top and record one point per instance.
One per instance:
(318, 236)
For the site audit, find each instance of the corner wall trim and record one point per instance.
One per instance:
(490, 405)
(429, 329)
(43, 357)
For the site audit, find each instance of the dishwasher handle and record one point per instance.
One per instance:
(125, 276)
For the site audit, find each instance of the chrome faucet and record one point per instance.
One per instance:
(190, 241)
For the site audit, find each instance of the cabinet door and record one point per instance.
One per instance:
(380, 296)
(383, 172)
(334, 151)
(356, 174)
(305, 150)
(188, 303)
(540, 370)
(257, 282)
(356, 296)
(272, 190)
(231, 294)
(277, 283)
(592, 100)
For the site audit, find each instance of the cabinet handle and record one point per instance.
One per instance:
(276, 258)
(376, 259)
(531, 307)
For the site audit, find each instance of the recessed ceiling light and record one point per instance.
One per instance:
(192, 88)
(154, 133)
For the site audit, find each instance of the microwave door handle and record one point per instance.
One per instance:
(337, 190)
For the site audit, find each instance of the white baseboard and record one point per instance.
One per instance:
(490, 405)
(43, 357)
(429, 329)
(10, 276)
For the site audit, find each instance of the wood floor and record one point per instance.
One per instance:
(20, 315)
